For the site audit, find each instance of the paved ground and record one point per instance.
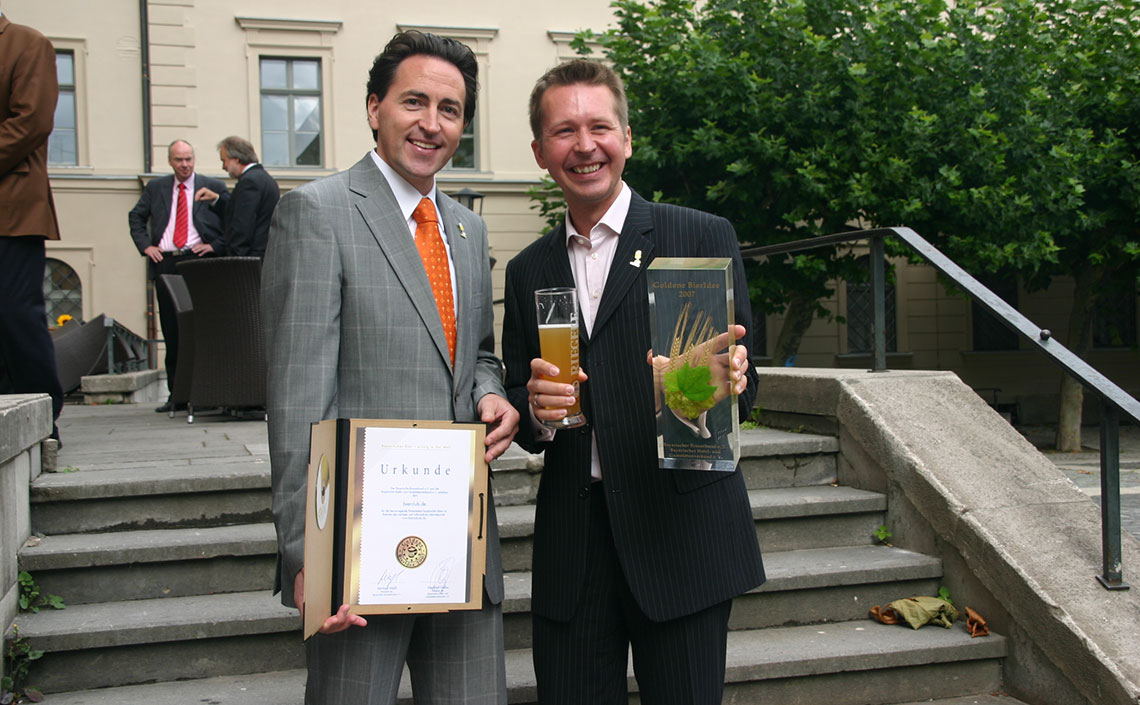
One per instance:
(1084, 468)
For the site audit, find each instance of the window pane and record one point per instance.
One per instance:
(65, 110)
(63, 292)
(307, 75)
(989, 332)
(861, 315)
(65, 68)
(61, 148)
(308, 149)
(306, 114)
(275, 148)
(274, 112)
(291, 120)
(464, 157)
(273, 73)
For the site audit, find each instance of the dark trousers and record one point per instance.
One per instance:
(680, 661)
(25, 343)
(167, 318)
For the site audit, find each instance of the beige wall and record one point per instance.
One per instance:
(204, 57)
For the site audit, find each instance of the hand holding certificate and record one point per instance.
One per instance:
(395, 522)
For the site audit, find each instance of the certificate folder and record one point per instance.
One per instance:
(395, 518)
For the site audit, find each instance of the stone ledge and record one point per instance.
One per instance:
(141, 386)
(25, 420)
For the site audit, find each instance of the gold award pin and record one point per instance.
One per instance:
(411, 552)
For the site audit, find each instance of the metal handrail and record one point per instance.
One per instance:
(1113, 400)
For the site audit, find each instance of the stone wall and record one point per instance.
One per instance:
(25, 421)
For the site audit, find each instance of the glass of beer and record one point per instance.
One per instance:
(558, 342)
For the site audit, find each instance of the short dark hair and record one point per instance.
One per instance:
(412, 43)
(591, 73)
(240, 149)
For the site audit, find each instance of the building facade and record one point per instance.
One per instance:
(290, 76)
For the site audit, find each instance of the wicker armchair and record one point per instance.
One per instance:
(80, 349)
(179, 294)
(229, 350)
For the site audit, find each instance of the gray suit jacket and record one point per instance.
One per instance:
(352, 331)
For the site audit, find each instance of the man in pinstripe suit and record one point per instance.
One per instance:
(355, 330)
(625, 554)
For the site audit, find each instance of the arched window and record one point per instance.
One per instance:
(63, 292)
(861, 314)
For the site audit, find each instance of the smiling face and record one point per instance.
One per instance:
(419, 120)
(181, 158)
(584, 147)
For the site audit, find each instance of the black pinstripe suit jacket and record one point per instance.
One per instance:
(686, 539)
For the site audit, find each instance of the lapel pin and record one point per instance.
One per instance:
(462, 232)
(636, 261)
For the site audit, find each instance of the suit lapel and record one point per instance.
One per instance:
(166, 186)
(381, 214)
(623, 273)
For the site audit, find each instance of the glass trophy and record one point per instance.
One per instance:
(691, 319)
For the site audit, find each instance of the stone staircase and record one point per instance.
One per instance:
(167, 573)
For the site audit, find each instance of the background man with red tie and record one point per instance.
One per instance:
(167, 226)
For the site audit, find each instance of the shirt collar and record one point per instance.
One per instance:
(613, 220)
(407, 196)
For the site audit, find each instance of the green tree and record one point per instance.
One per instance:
(1000, 129)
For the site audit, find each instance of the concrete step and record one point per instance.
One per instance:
(810, 586)
(150, 497)
(136, 565)
(769, 458)
(852, 663)
(140, 641)
(803, 587)
(787, 519)
(149, 563)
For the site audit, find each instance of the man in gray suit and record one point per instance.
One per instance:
(353, 329)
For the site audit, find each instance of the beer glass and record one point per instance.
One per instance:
(558, 342)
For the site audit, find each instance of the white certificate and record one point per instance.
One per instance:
(415, 502)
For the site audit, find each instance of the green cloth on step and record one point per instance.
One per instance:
(918, 611)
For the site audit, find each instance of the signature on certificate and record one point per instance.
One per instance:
(442, 575)
(388, 580)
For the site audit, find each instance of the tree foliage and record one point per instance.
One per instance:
(1003, 130)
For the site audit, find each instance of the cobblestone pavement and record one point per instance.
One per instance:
(1083, 468)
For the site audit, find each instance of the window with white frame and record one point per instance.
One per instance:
(63, 145)
(472, 153)
(291, 119)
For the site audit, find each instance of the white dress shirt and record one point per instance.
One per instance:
(407, 198)
(590, 259)
(166, 244)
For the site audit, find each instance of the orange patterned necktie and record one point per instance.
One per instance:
(429, 242)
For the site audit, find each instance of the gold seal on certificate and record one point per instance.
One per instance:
(411, 552)
(323, 493)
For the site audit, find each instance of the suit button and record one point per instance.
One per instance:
(584, 493)
(584, 430)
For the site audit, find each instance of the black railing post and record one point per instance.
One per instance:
(109, 324)
(879, 296)
(1112, 577)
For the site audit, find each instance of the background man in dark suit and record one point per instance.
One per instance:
(28, 91)
(356, 328)
(246, 212)
(168, 227)
(624, 552)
